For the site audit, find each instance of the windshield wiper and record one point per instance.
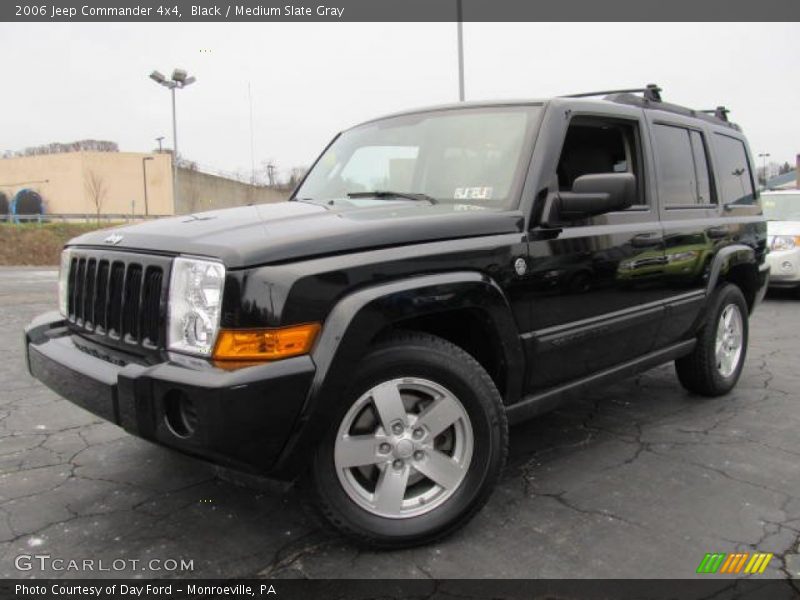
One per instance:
(391, 194)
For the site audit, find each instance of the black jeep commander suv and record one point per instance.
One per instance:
(438, 274)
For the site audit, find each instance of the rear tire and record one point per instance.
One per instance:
(714, 366)
(416, 448)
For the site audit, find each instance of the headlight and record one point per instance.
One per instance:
(784, 242)
(679, 256)
(195, 302)
(63, 281)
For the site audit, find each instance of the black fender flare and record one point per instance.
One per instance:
(731, 257)
(357, 318)
(725, 259)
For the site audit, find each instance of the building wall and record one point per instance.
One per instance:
(64, 182)
(198, 191)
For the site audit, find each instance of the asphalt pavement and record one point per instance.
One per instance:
(636, 480)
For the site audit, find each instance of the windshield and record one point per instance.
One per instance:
(783, 207)
(470, 156)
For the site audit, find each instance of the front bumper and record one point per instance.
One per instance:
(239, 419)
(784, 268)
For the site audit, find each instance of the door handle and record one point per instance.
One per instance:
(717, 233)
(646, 239)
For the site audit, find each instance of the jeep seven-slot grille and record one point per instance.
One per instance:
(117, 296)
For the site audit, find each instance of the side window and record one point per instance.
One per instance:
(598, 145)
(736, 180)
(700, 155)
(681, 166)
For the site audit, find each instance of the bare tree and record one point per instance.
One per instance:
(96, 188)
(59, 148)
(295, 175)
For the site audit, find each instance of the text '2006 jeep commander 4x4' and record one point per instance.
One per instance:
(437, 275)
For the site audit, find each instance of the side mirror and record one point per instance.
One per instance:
(596, 194)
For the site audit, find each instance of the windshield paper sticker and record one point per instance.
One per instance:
(473, 193)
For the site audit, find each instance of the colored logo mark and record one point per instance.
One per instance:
(737, 562)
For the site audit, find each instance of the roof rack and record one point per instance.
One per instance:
(720, 113)
(652, 93)
(651, 98)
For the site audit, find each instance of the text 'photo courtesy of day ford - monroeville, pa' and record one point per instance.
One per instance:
(437, 275)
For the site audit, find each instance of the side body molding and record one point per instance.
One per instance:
(356, 319)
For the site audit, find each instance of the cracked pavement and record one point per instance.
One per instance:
(639, 479)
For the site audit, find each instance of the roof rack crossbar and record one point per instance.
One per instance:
(720, 113)
(652, 92)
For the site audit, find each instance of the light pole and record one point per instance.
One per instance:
(765, 156)
(144, 180)
(180, 79)
(159, 139)
(460, 52)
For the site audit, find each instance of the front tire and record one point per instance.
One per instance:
(416, 448)
(714, 366)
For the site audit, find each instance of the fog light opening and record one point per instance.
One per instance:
(180, 414)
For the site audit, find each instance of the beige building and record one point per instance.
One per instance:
(116, 183)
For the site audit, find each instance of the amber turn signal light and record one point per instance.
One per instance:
(265, 344)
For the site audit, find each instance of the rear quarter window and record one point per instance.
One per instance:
(733, 171)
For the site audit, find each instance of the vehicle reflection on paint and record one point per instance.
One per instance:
(679, 259)
(683, 259)
(565, 274)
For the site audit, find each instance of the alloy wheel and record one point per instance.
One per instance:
(403, 448)
(728, 347)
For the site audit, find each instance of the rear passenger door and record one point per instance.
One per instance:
(690, 214)
(598, 283)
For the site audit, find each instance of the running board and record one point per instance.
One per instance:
(542, 402)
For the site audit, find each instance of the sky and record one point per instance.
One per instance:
(307, 81)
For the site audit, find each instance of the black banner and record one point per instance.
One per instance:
(718, 588)
(398, 10)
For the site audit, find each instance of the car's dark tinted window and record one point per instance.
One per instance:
(704, 193)
(733, 169)
(598, 145)
(681, 166)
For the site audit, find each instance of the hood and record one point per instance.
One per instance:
(783, 227)
(269, 233)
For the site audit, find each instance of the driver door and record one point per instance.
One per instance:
(598, 282)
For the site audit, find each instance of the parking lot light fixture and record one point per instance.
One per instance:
(180, 79)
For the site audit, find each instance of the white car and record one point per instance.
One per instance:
(782, 210)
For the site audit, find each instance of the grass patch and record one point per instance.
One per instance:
(32, 244)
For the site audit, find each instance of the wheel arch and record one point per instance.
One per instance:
(736, 264)
(425, 303)
(469, 328)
